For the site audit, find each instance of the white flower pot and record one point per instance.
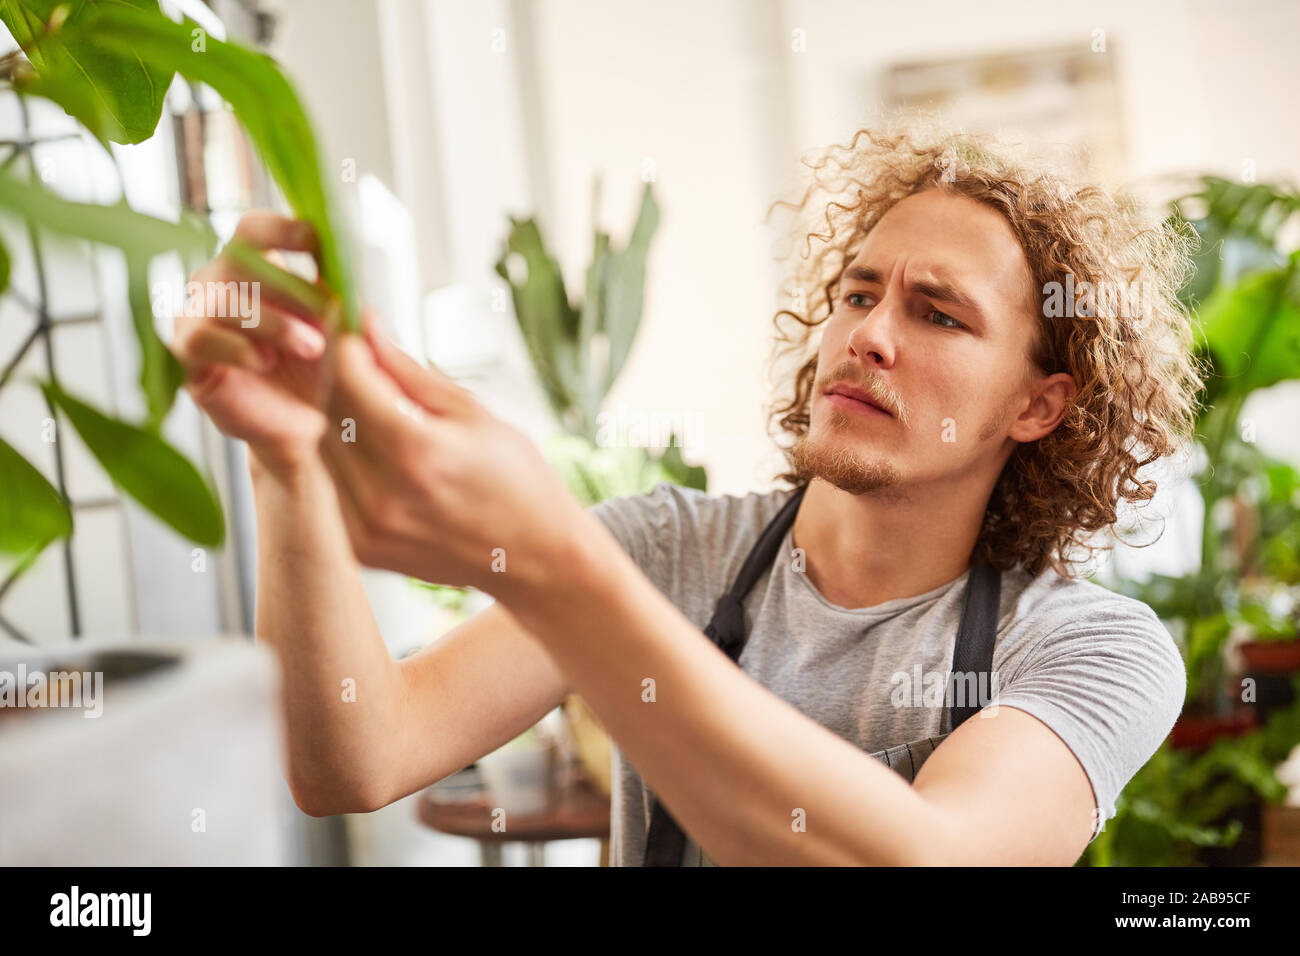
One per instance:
(180, 767)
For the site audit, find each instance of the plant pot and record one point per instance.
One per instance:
(175, 762)
(1198, 731)
(1249, 846)
(592, 743)
(522, 780)
(1272, 692)
(1271, 657)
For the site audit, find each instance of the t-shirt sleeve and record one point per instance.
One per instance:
(1110, 687)
(647, 527)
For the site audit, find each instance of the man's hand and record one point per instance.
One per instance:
(258, 377)
(432, 484)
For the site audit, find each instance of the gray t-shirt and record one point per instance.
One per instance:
(1098, 668)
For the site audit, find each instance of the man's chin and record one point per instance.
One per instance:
(842, 467)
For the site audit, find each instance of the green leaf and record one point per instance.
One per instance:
(1237, 227)
(26, 27)
(625, 286)
(264, 102)
(161, 375)
(115, 94)
(1253, 329)
(140, 237)
(544, 315)
(146, 468)
(680, 473)
(136, 234)
(591, 323)
(5, 267)
(32, 512)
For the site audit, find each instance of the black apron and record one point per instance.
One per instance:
(665, 841)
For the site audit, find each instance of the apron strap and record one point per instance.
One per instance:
(665, 839)
(975, 637)
(727, 628)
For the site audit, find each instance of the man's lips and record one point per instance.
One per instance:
(855, 399)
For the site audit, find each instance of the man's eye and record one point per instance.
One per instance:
(856, 295)
(944, 315)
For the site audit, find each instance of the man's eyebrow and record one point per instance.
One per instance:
(945, 292)
(931, 288)
(862, 274)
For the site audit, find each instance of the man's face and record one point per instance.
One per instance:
(932, 323)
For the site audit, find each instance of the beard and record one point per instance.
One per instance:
(862, 471)
(838, 465)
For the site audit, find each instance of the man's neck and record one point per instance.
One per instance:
(863, 550)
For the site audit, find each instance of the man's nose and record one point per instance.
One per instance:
(874, 340)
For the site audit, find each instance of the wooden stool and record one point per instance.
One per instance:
(459, 805)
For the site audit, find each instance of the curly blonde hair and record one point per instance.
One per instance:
(1137, 376)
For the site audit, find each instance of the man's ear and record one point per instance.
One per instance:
(1049, 397)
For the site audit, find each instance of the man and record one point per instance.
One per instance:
(957, 438)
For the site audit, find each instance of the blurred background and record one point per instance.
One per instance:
(451, 129)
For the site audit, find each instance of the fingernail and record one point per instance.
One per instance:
(308, 342)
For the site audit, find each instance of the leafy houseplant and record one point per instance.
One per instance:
(1183, 806)
(578, 350)
(108, 64)
(1192, 800)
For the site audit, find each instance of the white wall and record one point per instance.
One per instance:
(500, 107)
(699, 89)
(470, 112)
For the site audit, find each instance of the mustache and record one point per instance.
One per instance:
(872, 383)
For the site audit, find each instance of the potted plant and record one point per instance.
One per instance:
(1273, 557)
(578, 349)
(205, 711)
(109, 67)
(1199, 805)
(1199, 797)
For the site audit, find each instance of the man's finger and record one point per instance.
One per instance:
(210, 344)
(425, 385)
(362, 393)
(278, 328)
(268, 230)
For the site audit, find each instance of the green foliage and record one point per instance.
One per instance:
(116, 95)
(1253, 330)
(1246, 301)
(595, 474)
(1237, 226)
(109, 64)
(116, 224)
(32, 512)
(1176, 803)
(140, 238)
(579, 351)
(147, 468)
(263, 100)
